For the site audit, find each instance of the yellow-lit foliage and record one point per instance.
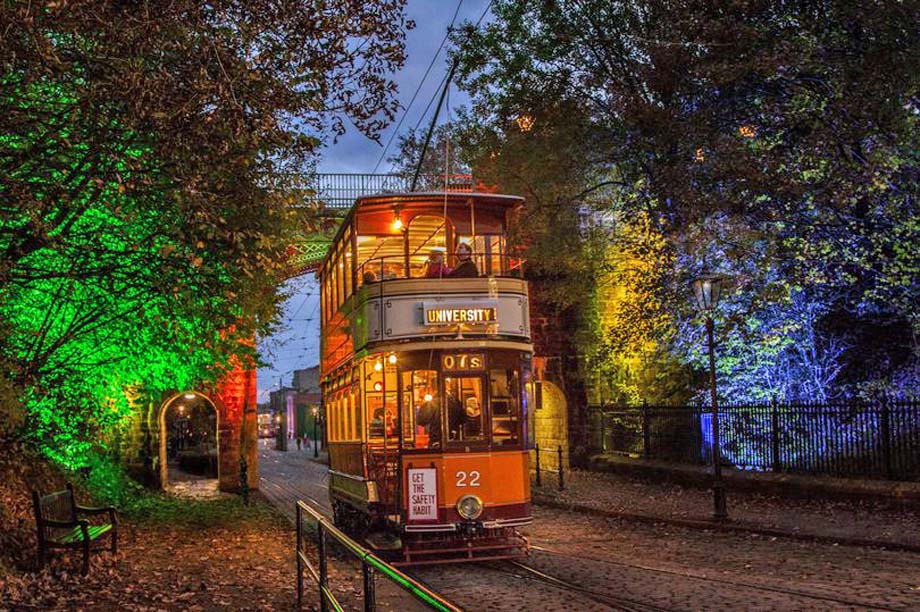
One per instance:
(630, 315)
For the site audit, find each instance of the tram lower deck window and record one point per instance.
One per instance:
(464, 402)
(506, 407)
(421, 409)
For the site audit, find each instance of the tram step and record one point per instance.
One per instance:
(381, 540)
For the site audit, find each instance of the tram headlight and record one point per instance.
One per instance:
(469, 507)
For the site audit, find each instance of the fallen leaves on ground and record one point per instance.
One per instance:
(243, 564)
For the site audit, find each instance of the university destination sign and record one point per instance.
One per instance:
(460, 313)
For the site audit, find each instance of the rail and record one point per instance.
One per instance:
(558, 455)
(394, 267)
(339, 191)
(371, 565)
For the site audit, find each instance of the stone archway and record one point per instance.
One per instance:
(233, 398)
(189, 443)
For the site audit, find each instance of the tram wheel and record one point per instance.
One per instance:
(340, 515)
(349, 519)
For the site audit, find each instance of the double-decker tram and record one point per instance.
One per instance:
(426, 376)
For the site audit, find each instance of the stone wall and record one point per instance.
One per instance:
(552, 427)
(556, 361)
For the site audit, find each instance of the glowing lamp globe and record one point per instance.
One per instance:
(707, 289)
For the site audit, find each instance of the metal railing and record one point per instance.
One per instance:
(371, 566)
(339, 191)
(394, 267)
(878, 439)
(557, 455)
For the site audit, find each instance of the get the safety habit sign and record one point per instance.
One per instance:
(423, 494)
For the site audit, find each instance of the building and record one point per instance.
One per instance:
(296, 403)
(307, 381)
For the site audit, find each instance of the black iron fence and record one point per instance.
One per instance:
(878, 439)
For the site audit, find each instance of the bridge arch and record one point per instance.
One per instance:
(184, 422)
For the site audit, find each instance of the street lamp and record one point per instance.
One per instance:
(315, 412)
(707, 289)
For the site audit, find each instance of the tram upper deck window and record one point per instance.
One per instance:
(488, 254)
(380, 258)
(427, 234)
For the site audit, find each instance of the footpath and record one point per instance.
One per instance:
(846, 512)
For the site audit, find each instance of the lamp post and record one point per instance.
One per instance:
(315, 412)
(707, 289)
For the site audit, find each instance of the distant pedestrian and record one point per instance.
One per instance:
(299, 442)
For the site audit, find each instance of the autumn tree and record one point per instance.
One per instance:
(443, 156)
(785, 129)
(147, 152)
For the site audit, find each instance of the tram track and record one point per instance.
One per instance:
(625, 604)
(732, 583)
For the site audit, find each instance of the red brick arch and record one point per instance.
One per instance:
(234, 399)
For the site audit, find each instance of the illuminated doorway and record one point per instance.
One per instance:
(189, 455)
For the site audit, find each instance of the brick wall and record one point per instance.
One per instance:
(143, 447)
(556, 359)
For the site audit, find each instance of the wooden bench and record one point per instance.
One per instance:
(57, 518)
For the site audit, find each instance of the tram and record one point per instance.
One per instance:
(426, 377)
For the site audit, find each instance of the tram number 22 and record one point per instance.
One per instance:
(473, 479)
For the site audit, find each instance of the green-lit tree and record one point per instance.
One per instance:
(147, 198)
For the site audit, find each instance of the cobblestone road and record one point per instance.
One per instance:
(610, 564)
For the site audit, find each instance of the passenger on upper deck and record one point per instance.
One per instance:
(436, 267)
(466, 268)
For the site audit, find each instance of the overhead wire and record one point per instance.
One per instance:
(419, 88)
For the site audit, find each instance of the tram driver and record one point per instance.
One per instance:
(429, 416)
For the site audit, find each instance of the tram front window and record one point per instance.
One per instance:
(464, 407)
(421, 409)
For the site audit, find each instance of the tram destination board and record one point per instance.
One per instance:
(450, 313)
(462, 362)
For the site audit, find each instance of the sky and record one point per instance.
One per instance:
(296, 344)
